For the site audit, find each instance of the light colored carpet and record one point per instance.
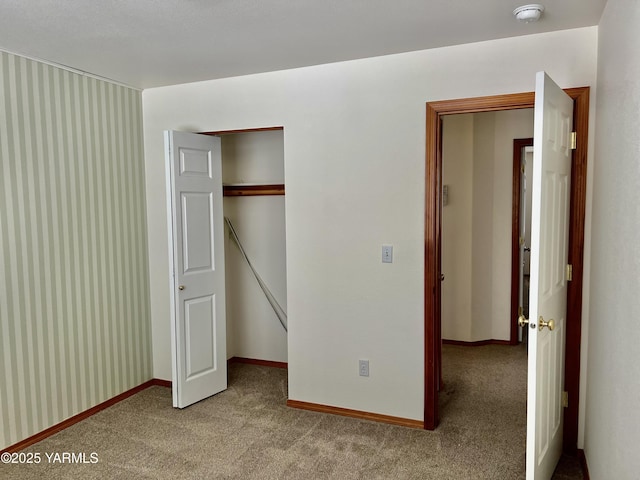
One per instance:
(247, 432)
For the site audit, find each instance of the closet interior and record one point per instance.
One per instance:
(254, 203)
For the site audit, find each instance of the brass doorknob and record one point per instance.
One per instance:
(551, 324)
(522, 321)
(181, 287)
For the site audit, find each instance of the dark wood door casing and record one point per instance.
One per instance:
(432, 340)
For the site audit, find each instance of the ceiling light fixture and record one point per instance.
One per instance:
(529, 13)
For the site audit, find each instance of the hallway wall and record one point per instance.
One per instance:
(476, 224)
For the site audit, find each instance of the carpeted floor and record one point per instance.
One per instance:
(247, 432)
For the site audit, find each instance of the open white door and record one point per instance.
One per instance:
(198, 326)
(548, 294)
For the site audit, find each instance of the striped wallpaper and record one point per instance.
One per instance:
(74, 309)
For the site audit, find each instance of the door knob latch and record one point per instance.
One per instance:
(522, 321)
(551, 324)
(181, 287)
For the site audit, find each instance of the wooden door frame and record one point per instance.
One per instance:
(518, 145)
(432, 330)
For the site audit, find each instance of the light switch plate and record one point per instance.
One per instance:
(363, 367)
(387, 253)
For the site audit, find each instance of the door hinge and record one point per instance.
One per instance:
(569, 272)
(574, 140)
(565, 399)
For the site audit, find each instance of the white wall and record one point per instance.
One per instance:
(476, 225)
(253, 329)
(613, 384)
(354, 170)
(482, 238)
(457, 174)
(508, 125)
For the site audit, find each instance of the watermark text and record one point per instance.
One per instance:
(49, 457)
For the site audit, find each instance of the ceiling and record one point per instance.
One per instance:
(149, 43)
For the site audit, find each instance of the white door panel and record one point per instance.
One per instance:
(197, 231)
(548, 293)
(198, 330)
(199, 324)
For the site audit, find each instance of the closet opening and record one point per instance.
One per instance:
(255, 278)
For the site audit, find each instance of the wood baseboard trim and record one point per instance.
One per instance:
(479, 343)
(583, 464)
(255, 361)
(347, 412)
(81, 416)
(160, 383)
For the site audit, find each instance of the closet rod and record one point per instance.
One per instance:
(280, 313)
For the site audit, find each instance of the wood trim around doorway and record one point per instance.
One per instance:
(432, 346)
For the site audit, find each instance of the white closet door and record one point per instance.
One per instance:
(196, 226)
